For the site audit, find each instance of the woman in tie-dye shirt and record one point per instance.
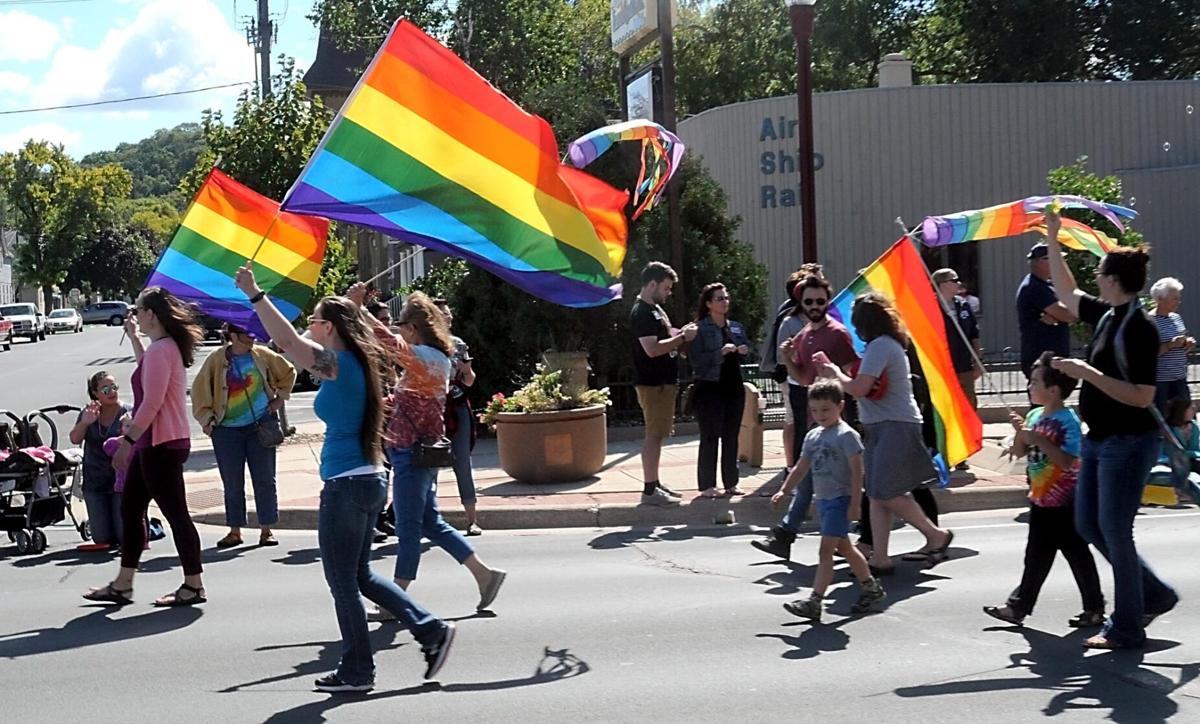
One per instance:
(1050, 437)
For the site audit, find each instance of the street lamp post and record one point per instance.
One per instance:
(800, 12)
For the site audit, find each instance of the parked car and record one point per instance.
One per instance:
(64, 320)
(5, 334)
(110, 313)
(213, 327)
(27, 321)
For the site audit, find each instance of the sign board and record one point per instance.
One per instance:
(635, 20)
(641, 95)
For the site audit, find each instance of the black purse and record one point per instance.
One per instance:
(430, 452)
(268, 429)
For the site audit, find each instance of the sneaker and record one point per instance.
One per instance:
(474, 530)
(669, 492)
(809, 608)
(377, 614)
(488, 593)
(871, 594)
(659, 498)
(435, 656)
(333, 683)
(775, 544)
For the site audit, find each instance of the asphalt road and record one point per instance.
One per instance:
(681, 625)
(35, 375)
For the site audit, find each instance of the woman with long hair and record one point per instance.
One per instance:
(1118, 385)
(423, 348)
(156, 445)
(97, 422)
(896, 459)
(239, 387)
(460, 421)
(716, 357)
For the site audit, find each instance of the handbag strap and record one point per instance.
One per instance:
(1122, 357)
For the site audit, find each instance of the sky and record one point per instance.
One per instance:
(61, 52)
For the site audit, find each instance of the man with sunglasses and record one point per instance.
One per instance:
(962, 351)
(809, 330)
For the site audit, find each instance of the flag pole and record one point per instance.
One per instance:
(266, 233)
(912, 237)
(403, 259)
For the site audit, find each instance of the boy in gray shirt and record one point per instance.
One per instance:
(833, 452)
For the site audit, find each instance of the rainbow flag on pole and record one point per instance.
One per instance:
(225, 226)
(427, 151)
(900, 275)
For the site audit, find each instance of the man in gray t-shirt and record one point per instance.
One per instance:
(828, 451)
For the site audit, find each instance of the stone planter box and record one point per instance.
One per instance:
(552, 447)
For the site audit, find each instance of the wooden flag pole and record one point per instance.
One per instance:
(403, 259)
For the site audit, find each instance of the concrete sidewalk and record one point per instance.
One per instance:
(610, 498)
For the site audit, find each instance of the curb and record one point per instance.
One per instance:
(749, 510)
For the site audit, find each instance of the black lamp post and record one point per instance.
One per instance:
(800, 12)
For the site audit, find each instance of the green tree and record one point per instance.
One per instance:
(115, 261)
(1151, 39)
(158, 162)
(158, 216)
(57, 205)
(358, 26)
(518, 45)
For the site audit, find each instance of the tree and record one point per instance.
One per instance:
(57, 205)
(518, 45)
(158, 162)
(116, 261)
(158, 216)
(356, 26)
(1151, 39)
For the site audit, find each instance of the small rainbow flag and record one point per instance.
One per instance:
(900, 275)
(1025, 215)
(225, 226)
(427, 151)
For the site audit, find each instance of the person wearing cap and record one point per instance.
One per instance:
(1043, 320)
(238, 386)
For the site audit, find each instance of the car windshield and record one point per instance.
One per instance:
(57, 313)
(14, 310)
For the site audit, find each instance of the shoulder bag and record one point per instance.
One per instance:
(268, 429)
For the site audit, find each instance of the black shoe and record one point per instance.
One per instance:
(435, 656)
(1087, 619)
(778, 543)
(379, 538)
(332, 682)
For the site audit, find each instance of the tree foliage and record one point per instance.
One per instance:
(361, 26)
(518, 45)
(57, 206)
(156, 163)
(115, 261)
(1150, 39)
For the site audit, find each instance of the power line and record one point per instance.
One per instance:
(8, 3)
(123, 100)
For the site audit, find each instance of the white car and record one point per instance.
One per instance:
(27, 321)
(64, 320)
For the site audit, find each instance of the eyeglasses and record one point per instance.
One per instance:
(724, 298)
(810, 302)
(109, 389)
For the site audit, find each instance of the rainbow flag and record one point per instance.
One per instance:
(1025, 215)
(900, 269)
(427, 151)
(223, 227)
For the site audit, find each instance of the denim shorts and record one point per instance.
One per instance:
(834, 515)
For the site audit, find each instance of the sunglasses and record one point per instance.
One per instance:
(721, 299)
(108, 389)
(810, 302)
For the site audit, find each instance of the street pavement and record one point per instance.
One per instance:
(596, 625)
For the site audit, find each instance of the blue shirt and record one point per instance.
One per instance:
(1033, 296)
(341, 404)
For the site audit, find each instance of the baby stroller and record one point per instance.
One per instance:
(37, 481)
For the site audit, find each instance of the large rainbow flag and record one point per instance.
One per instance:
(427, 151)
(900, 275)
(225, 225)
(1018, 217)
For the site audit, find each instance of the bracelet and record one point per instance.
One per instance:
(129, 440)
(257, 297)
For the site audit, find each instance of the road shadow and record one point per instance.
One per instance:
(306, 556)
(653, 534)
(815, 639)
(1118, 686)
(328, 655)
(94, 629)
(555, 665)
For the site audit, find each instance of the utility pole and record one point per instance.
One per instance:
(265, 30)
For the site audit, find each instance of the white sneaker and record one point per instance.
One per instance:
(660, 498)
(375, 614)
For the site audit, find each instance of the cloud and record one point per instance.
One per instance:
(25, 37)
(13, 82)
(51, 132)
(170, 45)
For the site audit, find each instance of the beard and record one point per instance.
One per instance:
(816, 314)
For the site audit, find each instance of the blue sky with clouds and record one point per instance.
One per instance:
(59, 52)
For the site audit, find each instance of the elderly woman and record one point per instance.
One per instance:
(1173, 343)
(240, 386)
(1122, 441)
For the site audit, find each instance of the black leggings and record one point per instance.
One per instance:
(924, 498)
(718, 409)
(1052, 530)
(156, 473)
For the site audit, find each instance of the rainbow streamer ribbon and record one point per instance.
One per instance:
(427, 151)
(661, 153)
(1025, 215)
(223, 228)
(900, 274)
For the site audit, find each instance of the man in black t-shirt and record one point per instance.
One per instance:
(656, 372)
(1044, 322)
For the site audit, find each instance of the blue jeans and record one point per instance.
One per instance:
(417, 516)
(345, 529)
(1112, 474)
(235, 448)
(1164, 392)
(104, 516)
(461, 446)
(801, 498)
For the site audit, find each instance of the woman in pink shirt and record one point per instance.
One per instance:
(156, 445)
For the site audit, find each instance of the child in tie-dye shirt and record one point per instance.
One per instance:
(1050, 436)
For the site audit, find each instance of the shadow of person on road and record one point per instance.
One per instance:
(94, 629)
(654, 534)
(1117, 682)
(814, 640)
(305, 556)
(382, 639)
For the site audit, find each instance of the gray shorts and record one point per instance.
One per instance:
(895, 459)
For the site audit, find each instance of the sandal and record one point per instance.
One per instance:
(1103, 643)
(942, 552)
(174, 600)
(735, 490)
(110, 594)
(710, 493)
(915, 556)
(229, 541)
(1005, 614)
(266, 539)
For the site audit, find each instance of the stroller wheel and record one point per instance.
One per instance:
(85, 530)
(24, 542)
(38, 542)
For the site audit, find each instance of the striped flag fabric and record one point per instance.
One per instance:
(427, 151)
(225, 226)
(900, 275)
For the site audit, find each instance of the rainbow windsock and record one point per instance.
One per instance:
(427, 151)
(900, 275)
(661, 153)
(223, 227)
(1026, 215)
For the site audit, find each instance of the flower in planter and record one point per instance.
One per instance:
(543, 393)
